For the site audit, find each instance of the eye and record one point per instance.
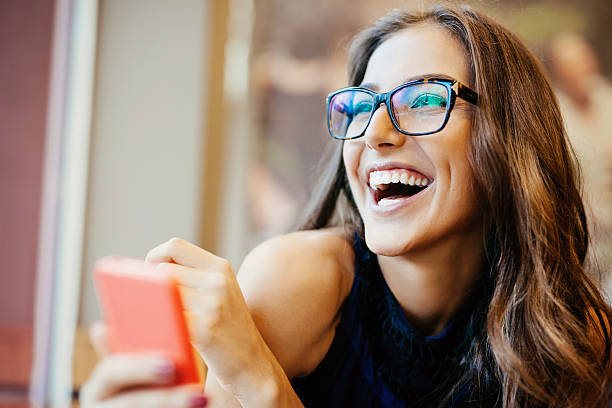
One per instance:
(429, 100)
(362, 107)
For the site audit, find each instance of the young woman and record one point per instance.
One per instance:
(442, 262)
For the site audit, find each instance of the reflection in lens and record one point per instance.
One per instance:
(349, 112)
(420, 108)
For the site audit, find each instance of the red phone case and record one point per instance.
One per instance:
(144, 313)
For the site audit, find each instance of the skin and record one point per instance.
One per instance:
(277, 319)
(430, 251)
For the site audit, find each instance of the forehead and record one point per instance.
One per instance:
(415, 51)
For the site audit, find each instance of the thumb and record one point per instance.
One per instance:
(98, 334)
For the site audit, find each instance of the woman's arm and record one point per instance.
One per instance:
(293, 288)
(221, 327)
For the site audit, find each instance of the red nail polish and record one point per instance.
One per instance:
(198, 401)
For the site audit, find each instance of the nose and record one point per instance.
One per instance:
(381, 133)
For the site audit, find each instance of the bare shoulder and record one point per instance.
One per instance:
(294, 286)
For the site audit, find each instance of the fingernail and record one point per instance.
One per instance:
(164, 370)
(198, 401)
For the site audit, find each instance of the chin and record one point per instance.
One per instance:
(385, 243)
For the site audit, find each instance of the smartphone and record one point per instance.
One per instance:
(143, 311)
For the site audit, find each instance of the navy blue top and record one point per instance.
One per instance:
(377, 359)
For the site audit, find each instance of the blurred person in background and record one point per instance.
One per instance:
(585, 98)
(440, 264)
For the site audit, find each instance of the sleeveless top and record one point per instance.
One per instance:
(377, 359)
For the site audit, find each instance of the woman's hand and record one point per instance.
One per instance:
(134, 380)
(221, 326)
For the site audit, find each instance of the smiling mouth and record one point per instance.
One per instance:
(391, 185)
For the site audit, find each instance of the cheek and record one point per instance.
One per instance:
(460, 164)
(463, 185)
(449, 151)
(351, 155)
(462, 190)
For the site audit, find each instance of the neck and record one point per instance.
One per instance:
(431, 285)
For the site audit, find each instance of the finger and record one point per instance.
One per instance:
(198, 301)
(120, 371)
(182, 252)
(98, 335)
(211, 277)
(176, 397)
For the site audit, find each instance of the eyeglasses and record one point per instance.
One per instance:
(416, 108)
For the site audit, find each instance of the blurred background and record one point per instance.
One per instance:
(127, 122)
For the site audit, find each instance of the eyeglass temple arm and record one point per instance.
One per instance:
(466, 93)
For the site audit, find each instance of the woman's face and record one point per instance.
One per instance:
(447, 208)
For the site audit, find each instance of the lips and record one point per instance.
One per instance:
(391, 182)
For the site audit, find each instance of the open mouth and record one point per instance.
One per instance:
(392, 185)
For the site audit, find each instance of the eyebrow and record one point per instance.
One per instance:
(372, 86)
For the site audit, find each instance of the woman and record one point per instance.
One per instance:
(442, 263)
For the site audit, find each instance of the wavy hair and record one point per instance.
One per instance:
(547, 338)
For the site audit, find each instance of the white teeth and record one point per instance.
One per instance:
(385, 202)
(381, 179)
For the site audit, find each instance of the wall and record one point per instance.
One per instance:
(25, 48)
(147, 131)
(25, 41)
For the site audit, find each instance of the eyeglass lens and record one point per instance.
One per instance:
(417, 108)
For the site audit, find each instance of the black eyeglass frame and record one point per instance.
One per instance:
(462, 92)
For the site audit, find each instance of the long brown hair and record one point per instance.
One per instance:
(547, 334)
